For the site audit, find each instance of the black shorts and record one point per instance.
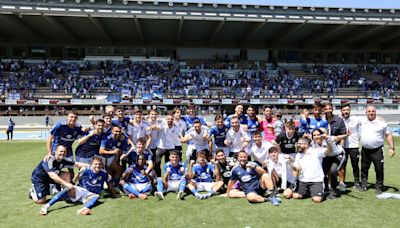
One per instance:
(289, 185)
(311, 189)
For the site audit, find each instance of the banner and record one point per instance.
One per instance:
(11, 101)
(282, 101)
(197, 101)
(168, 101)
(255, 101)
(362, 101)
(309, 101)
(76, 101)
(226, 101)
(137, 101)
(336, 101)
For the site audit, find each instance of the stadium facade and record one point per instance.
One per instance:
(69, 29)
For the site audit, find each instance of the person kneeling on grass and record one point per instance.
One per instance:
(48, 172)
(200, 176)
(280, 169)
(254, 180)
(309, 163)
(90, 185)
(174, 177)
(136, 182)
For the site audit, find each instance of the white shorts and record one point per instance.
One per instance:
(189, 150)
(106, 161)
(85, 160)
(204, 186)
(173, 186)
(140, 187)
(81, 195)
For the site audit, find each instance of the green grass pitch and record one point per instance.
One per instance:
(354, 209)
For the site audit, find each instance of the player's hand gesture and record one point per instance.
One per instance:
(168, 170)
(69, 185)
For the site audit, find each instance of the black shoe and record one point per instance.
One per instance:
(357, 186)
(364, 188)
(332, 195)
(378, 191)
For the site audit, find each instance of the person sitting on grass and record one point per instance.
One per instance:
(90, 185)
(200, 176)
(174, 179)
(254, 181)
(223, 171)
(48, 172)
(136, 182)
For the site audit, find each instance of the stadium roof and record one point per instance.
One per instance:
(173, 24)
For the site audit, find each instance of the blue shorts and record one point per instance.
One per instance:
(40, 189)
(258, 190)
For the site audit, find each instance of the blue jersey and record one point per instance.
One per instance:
(136, 177)
(66, 136)
(176, 172)
(132, 157)
(90, 147)
(91, 181)
(11, 125)
(219, 135)
(203, 173)
(190, 121)
(253, 125)
(305, 126)
(318, 123)
(110, 143)
(122, 124)
(242, 120)
(40, 173)
(248, 179)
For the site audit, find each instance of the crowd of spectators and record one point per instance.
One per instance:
(135, 79)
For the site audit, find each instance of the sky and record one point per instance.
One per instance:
(362, 4)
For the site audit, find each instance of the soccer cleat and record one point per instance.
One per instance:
(357, 186)
(206, 196)
(29, 193)
(199, 196)
(342, 187)
(274, 201)
(180, 195)
(84, 211)
(331, 195)
(132, 196)
(364, 188)
(378, 191)
(159, 195)
(44, 210)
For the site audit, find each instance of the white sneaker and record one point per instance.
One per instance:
(159, 195)
(180, 195)
(44, 210)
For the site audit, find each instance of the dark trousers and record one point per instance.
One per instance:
(375, 156)
(330, 165)
(354, 154)
(160, 153)
(9, 135)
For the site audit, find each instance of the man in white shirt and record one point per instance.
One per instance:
(198, 135)
(258, 150)
(352, 143)
(167, 134)
(373, 132)
(309, 164)
(181, 124)
(236, 138)
(137, 128)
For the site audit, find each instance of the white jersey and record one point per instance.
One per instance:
(138, 131)
(310, 164)
(198, 140)
(259, 153)
(167, 136)
(181, 124)
(236, 139)
(353, 123)
(155, 138)
(373, 133)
